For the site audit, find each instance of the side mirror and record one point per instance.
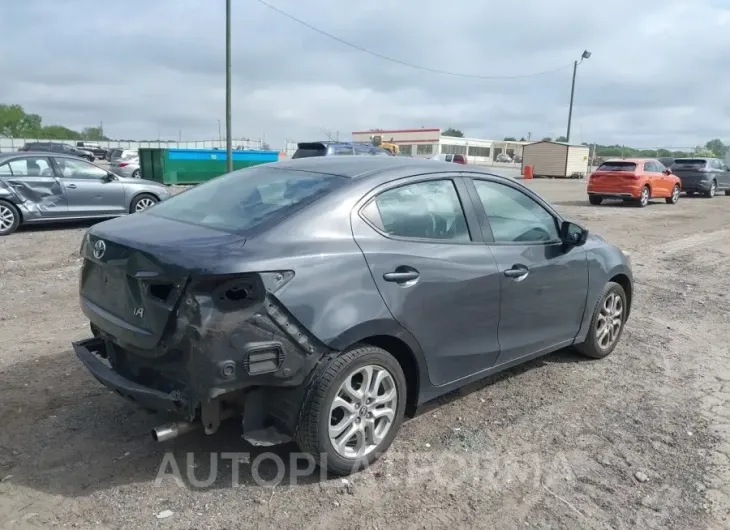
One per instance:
(667, 171)
(573, 234)
(110, 176)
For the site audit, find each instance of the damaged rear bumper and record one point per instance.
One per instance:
(92, 353)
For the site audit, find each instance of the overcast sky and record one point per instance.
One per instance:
(659, 74)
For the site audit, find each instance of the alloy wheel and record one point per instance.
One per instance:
(675, 194)
(610, 320)
(7, 218)
(713, 189)
(363, 411)
(144, 204)
(644, 197)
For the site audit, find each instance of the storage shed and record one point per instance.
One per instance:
(556, 159)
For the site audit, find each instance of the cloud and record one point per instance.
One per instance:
(657, 75)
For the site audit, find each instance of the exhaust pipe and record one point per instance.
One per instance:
(169, 431)
(173, 430)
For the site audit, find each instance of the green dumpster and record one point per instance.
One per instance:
(193, 166)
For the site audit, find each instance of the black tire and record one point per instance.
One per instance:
(727, 192)
(674, 198)
(9, 214)
(142, 198)
(595, 200)
(591, 347)
(136, 174)
(710, 194)
(643, 200)
(312, 434)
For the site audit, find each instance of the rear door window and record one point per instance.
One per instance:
(423, 210)
(617, 166)
(244, 200)
(31, 166)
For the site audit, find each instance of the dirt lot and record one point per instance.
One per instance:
(640, 439)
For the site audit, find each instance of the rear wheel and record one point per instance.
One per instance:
(9, 218)
(727, 192)
(143, 202)
(354, 410)
(644, 197)
(607, 324)
(674, 197)
(712, 191)
(595, 200)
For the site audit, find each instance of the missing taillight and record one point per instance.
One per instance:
(236, 293)
(161, 291)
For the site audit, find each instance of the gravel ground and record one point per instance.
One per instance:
(640, 439)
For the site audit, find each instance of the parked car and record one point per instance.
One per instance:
(120, 152)
(52, 147)
(503, 157)
(49, 187)
(633, 180)
(126, 167)
(314, 149)
(455, 159)
(703, 175)
(666, 161)
(94, 147)
(326, 298)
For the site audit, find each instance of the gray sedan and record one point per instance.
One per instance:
(126, 167)
(49, 187)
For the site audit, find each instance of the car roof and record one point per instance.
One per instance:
(18, 154)
(361, 166)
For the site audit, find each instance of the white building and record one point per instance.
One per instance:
(426, 143)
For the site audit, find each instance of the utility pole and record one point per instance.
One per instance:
(229, 140)
(586, 55)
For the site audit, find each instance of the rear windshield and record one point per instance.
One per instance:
(309, 150)
(617, 166)
(689, 163)
(241, 201)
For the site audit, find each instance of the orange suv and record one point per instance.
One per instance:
(633, 179)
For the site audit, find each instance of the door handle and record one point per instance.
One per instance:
(72, 186)
(401, 276)
(517, 272)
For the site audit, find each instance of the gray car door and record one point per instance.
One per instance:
(33, 180)
(721, 172)
(89, 190)
(544, 283)
(436, 276)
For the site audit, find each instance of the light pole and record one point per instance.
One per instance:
(586, 55)
(229, 142)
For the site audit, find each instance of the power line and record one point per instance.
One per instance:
(404, 63)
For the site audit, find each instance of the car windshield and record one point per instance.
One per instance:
(243, 200)
(617, 166)
(689, 163)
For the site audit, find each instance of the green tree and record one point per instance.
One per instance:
(93, 133)
(561, 139)
(703, 152)
(58, 132)
(523, 139)
(453, 132)
(16, 123)
(510, 139)
(717, 147)
(547, 139)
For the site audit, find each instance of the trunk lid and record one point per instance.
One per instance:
(136, 269)
(690, 170)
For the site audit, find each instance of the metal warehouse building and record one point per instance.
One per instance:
(425, 143)
(556, 159)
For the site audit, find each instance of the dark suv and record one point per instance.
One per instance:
(310, 149)
(99, 152)
(51, 147)
(702, 175)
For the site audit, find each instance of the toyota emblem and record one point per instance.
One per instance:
(99, 249)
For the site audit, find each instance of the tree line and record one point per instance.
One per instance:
(713, 148)
(16, 123)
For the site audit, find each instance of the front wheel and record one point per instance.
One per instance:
(353, 411)
(143, 202)
(9, 218)
(674, 197)
(607, 323)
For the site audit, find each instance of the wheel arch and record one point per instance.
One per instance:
(138, 195)
(628, 287)
(391, 337)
